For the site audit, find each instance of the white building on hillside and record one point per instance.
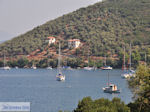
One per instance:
(51, 40)
(74, 43)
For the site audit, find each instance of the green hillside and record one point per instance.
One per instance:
(104, 26)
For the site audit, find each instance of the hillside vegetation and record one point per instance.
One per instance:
(105, 27)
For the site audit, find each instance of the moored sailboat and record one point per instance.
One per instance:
(130, 73)
(125, 74)
(106, 67)
(88, 67)
(60, 76)
(5, 67)
(33, 66)
(49, 68)
(111, 88)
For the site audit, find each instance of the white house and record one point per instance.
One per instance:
(74, 43)
(51, 40)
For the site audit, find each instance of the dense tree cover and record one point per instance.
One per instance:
(141, 88)
(104, 26)
(72, 62)
(101, 105)
(23, 62)
(75, 62)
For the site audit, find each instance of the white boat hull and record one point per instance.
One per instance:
(60, 78)
(88, 68)
(111, 89)
(106, 68)
(34, 67)
(49, 68)
(127, 75)
(6, 68)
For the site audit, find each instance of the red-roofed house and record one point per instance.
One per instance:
(51, 40)
(73, 43)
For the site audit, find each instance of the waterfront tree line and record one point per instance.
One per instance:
(79, 62)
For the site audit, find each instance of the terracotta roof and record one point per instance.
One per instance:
(71, 40)
(50, 37)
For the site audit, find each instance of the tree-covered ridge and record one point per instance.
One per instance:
(104, 26)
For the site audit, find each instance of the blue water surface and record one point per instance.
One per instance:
(48, 95)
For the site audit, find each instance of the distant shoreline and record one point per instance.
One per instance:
(2, 41)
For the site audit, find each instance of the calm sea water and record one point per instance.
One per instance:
(48, 95)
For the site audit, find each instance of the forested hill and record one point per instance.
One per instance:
(104, 26)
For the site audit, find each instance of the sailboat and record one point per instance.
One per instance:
(125, 74)
(95, 67)
(49, 68)
(5, 67)
(111, 88)
(130, 63)
(60, 76)
(33, 66)
(130, 73)
(88, 67)
(66, 67)
(106, 67)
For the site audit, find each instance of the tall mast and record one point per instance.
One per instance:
(59, 59)
(105, 60)
(124, 61)
(108, 78)
(94, 64)
(130, 57)
(4, 58)
(88, 56)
